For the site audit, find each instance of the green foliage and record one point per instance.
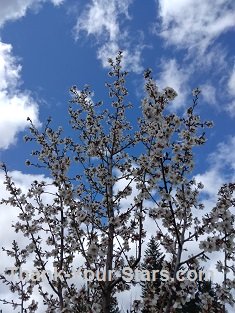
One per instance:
(152, 261)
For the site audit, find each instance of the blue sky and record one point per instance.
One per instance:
(46, 46)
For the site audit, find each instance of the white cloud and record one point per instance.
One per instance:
(224, 156)
(15, 105)
(57, 2)
(190, 24)
(231, 83)
(231, 108)
(211, 180)
(107, 50)
(173, 76)
(221, 168)
(15, 9)
(195, 26)
(12, 10)
(216, 58)
(102, 19)
(209, 93)
(131, 59)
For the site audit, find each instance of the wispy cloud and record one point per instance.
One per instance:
(101, 18)
(194, 27)
(221, 168)
(13, 10)
(231, 82)
(57, 2)
(195, 24)
(230, 108)
(209, 93)
(131, 56)
(15, 105)
(224, 156)
(174, 76)
(104, 20)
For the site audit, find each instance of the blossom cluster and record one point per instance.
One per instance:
(107, 181)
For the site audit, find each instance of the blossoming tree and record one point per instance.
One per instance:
(107, 181)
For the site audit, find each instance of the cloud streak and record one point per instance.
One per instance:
(174, 76)
(195, 24)
(221, 161)
(102, 19)
(194, 28)
(13, 10)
